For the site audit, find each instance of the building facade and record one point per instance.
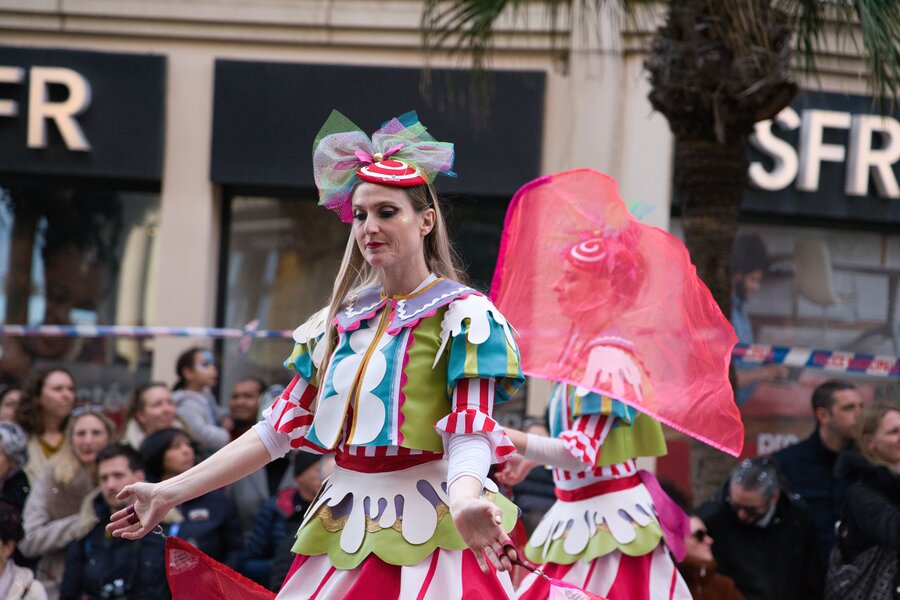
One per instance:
(155, 168)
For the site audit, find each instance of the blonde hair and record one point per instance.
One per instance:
(66, 465)
(869, 420)
(355, 274)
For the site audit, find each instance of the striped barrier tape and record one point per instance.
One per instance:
(138, 331)
(807, 358)
(828, 360)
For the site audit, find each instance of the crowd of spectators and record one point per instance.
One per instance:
(807, 523)
(63, 462)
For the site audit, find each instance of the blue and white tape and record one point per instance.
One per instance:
(138, 331)
(834, 361)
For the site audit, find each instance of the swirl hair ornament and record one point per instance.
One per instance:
(612, 255)
(402, 153)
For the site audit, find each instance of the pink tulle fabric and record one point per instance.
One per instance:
(606, 302)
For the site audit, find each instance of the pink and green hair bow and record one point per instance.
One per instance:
(341, 148)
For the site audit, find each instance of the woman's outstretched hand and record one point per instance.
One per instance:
(479, 523)
(144, 512)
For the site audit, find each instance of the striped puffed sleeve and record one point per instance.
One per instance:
(292, 413)
(593, 416)
(482, 371)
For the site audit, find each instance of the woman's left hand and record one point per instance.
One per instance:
(479, 523)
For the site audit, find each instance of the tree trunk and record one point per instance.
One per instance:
(709, 180)
(18, 283)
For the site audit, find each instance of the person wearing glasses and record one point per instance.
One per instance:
(699, 567)
(765, 536)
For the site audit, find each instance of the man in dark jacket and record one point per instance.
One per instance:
(765, 537)
(809, 465)
(100, 566)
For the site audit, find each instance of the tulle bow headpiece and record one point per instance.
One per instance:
(401, 153)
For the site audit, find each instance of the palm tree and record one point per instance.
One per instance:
(716, 68)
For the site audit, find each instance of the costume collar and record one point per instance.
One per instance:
(423, 302)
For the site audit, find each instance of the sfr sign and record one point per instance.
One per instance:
(871, 151)
(42, 112)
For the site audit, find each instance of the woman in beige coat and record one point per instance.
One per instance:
(58, 509)
(47, 399)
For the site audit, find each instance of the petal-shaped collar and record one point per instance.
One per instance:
(409, 309)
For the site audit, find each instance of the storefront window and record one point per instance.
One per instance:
(825, 289)
(283, 255)
(78, 256)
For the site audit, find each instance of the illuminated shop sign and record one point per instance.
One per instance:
(86, 114)
(41, 109)
(827, 155)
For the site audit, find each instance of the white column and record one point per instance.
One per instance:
(190, 212)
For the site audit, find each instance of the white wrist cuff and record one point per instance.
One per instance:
(551, 451)
(468, 454)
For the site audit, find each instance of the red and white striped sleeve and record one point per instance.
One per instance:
(473, 408)
(290, 417)
(586, 436)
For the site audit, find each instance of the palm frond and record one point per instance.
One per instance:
(468, 26)
(872, 25)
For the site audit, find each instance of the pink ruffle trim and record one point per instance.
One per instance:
(394, 330)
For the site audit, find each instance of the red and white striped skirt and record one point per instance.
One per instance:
(615, 576)
(444, 575)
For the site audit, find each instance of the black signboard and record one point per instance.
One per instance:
(267, 114)
(84, 114)
(827, 156)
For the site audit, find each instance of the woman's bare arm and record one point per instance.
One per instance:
(152, 501)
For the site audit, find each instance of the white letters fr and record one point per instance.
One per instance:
(41, 109)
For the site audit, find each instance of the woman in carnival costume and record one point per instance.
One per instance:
(398, 376)
(617, 288)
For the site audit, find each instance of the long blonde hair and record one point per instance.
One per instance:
(869, 420)
(66, 465)
(356, 274)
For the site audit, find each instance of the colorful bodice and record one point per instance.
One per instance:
(397, 360)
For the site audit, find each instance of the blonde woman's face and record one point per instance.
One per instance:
(386, 227)
(89, 435)
(885, 441)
